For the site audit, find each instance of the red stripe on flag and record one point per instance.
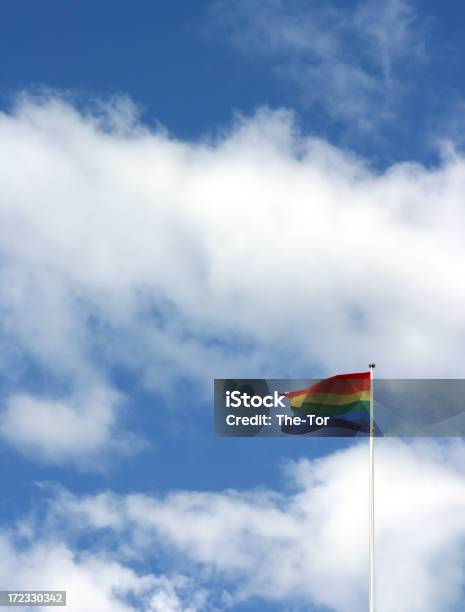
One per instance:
(342, 384)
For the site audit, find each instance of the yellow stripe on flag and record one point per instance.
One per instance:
(329, 399)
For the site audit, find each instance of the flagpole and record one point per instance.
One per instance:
(371, 549)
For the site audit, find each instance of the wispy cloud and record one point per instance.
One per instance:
(349, 61)
(263, 252)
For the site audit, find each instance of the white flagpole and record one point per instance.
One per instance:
(371, 550)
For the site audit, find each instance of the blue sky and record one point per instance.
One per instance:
(178, 64)
(200, 190)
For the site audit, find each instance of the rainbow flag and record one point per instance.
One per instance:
(345, 398)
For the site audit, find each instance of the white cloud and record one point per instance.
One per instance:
(76, 431)
(93, 581)
(349, 61)
(263, 253)
(307, 546)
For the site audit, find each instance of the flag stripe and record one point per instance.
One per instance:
(327, 410)
(330, 399)
(344, 424)
(334, 423)
(333, 385)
